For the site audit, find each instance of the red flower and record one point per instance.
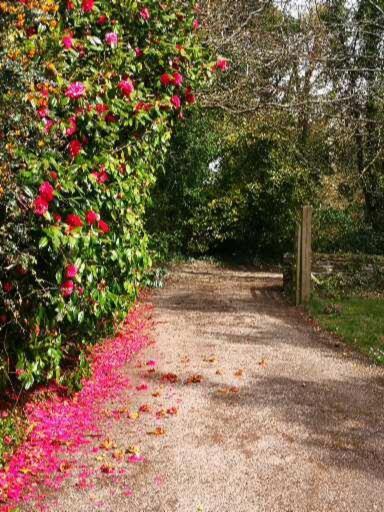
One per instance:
(101, 108)
(73, 221)
(92, 217)
(54, 175)
(75, 148)
(189, 96)
(102, 20)
(67, 289)
(70, 5)
(88, 5)
(142, 106)
(221, 64)
(103, 226)
(178, 79)
(139, 52)
(71, 271)
(110, 118)
(7, 287)
(166, 79)
(101, 176)
(31, 31)
(72, 129)
(47, 192)
(176, 101)
(126, 87)
(57, 218)
(40, 206)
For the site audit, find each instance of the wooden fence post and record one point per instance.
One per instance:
(304, 257)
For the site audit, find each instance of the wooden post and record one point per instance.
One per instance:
(297, 276)
(304, 257)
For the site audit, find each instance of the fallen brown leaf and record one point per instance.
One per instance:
(159, 431)
(228, 390)
(133, 450)
(210, 359)
(118, 454)
(170, 377)
(107, 444)
(194, 379)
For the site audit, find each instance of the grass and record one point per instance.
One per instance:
(357, 320)
(12, 431)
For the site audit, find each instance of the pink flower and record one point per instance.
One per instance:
(43, 112)
(145, 14)
(92, 217)
(40, 206)
(48, 124)
(176, 101)
(111, 38)
(75, 90)
(178, 79)
(88, 5)
(67, 42)
(71, 271)
(126, 87)
(151, 363)
(73, 221)
(7, 287)
(134, 459)
(47, 192)
(166, 79)
(139, 52)
(67, 289)
(196, 24)
(75, 148)
(103, 226)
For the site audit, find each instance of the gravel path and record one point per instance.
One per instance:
(271, 416)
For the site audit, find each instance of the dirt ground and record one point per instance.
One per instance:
(271, 415)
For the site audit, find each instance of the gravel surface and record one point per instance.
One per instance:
(271, 415)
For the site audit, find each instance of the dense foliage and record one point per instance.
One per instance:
(236, 189)
(301, 120)
(95, 86)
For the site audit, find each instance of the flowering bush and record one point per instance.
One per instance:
(106, 79)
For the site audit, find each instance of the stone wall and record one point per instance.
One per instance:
(326, 265)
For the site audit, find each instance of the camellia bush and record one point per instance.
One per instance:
(95, 87)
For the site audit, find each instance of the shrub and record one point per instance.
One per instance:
(108, 79)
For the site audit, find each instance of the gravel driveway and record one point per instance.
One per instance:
(271, 415)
